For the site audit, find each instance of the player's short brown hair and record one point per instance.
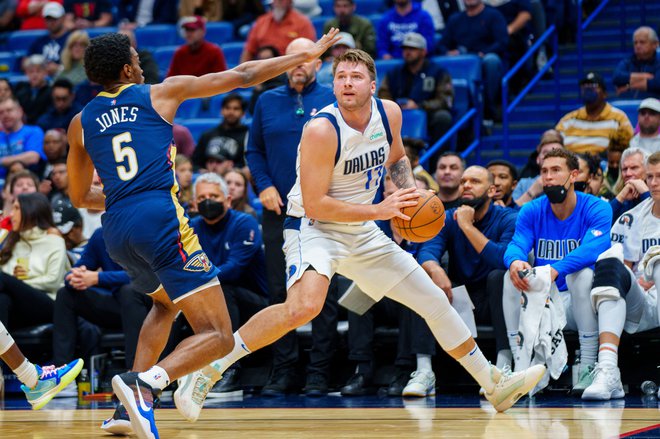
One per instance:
(570, 157)
(356, 56)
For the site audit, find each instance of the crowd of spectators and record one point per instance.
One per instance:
(233, 181)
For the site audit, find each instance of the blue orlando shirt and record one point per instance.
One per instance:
(466, 266)
(569, 245)
(233, 244)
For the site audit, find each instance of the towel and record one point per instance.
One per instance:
(542, 320)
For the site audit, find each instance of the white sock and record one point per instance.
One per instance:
(504, 358)
(513, 343)
(477, 365)
(240, 350)
(156, 377)
(424, 362)
(608, 354)
(588, 347)
(27, 374)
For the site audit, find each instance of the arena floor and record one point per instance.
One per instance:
(446, 416)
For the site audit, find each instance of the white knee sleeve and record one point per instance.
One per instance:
(5, 339)
(418, 292)
(579, 286)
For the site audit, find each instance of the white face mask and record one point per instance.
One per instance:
(278, 13)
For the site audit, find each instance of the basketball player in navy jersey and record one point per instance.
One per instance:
(330, 229)
(126, 134)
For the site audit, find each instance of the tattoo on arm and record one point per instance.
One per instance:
(401, 174)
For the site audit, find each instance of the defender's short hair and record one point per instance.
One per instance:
(106, 56)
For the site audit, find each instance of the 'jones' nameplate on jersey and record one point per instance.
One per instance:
(366, 161)
(117, 115)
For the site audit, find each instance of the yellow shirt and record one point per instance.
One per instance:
(593, 136)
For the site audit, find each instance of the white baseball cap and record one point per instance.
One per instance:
(345, 39)
(650, 103)
(53, 10)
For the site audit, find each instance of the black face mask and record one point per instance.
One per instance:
(475, 203)
(556, 194)
(589, 96)
(210, 209)
(580, 186)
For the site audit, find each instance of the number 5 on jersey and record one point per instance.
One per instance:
(124, 153)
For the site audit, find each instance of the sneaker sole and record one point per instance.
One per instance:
(65, 381)
(118, 428)
(412, 393)
(141, 426)
(616, 394)
(522, 391)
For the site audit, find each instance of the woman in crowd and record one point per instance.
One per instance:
(72, 58)
(33, 263)
(237, 184)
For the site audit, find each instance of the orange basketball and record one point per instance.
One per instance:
(427, 218)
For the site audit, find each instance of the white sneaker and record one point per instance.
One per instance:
(606, 384)
(421, 384)
(119, 424)
(511, 386)
(193, 388)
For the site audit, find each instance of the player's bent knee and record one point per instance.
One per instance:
(302, 313)
(224, 343)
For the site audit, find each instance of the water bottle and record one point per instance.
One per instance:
(649, 388)
(84, 386)
(575, 370)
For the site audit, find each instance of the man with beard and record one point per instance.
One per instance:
(648, 137)
(51, 45)
(406, 16)
(279, 118)
(421, 84)
(222, 148)
(277, 28)
(359, 27)
(475, 236)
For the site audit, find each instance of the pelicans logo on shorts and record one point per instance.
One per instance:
(199, 262)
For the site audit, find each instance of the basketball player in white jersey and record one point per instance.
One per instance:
(343, 152)
(624, 288)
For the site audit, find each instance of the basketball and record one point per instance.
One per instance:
(427, 218)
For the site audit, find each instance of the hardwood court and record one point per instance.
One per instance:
(318, 423)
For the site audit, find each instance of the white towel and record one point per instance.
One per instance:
(542, 320)
(651, 257)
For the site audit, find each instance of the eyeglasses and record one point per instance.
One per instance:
(300, 111)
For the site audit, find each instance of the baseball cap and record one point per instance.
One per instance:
(651, 104)
(414, 40)
(193, 22)
(346, 39)
(52, 10)
(66, 216)
(593, 78)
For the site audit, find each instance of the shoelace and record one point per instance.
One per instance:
(202, 388)
(49, 371)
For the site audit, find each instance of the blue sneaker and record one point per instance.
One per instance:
(52, 380)
(138, 398)
(119, 423)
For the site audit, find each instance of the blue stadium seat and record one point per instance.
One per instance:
(23, 39)
(96, 31)
(414, 124)
(383, 67)
(163, 57)
(375, 19)
(10, 62)
(318, 23)
(368, 7)
(219, 32)
(157, 35)
(629, 107)
(198, 126)
(461, 96)
(326, 7)
(233, 52)
(467, 67)
(189, 109)
(210, 107)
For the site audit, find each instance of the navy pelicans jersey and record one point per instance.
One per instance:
(144, 227)
(359, 160)
(130, 144)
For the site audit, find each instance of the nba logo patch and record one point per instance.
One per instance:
(113, 102)
(198, 263)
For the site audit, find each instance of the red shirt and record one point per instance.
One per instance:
(268, 32)
(31, 21)
(207, 58)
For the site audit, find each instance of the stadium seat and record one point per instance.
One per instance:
(363, 7)
(467, 67)
(156, 35)
(461, 96)
(414, 124)
(383, 67)
(189, 109)
(219, 32)
(318, 23)
(375, 19)
(23, 39)
(10, 62)
(210, 107)
(96, 31)
(198, 126)
(163, 57)
(629, 107)
(233, 52)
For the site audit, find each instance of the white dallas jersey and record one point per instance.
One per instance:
(637, 229)
(359, 159)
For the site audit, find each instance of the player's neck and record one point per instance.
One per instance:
(447, 195)
(114, 87)
(357, 119)
(656, 209)
(565, 209)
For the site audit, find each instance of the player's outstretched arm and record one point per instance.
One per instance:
(244, 75)
(81, 171)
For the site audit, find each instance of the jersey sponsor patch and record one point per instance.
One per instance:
(596, 233)
(198, 263)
